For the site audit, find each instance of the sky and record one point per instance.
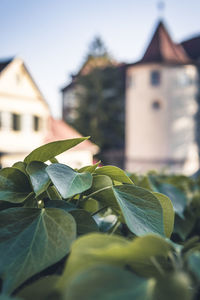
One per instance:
(53, 36)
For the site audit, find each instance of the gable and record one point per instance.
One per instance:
(15, 80)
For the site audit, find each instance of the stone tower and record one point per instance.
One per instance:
(160, 108)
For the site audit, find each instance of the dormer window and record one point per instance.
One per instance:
(155, 78)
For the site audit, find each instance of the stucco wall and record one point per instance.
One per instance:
(155, 137)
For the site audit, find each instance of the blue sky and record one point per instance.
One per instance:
(52, 36)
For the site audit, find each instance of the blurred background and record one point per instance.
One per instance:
(124, 72)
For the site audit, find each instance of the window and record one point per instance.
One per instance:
(130, 81)
(36, 123)
(155, 78)
(156, 105)
(16, 122)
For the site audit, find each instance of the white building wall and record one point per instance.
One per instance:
(156, 137)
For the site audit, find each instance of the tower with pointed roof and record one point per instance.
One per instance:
(160, 107)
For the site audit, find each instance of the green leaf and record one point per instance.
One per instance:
(31, 240)
(67, 181)
(114, 173)
(177, 197)
(168, 213)
(106, 196)
(194, 263)
(183, 227)
(91, 205)
(38, 176)
(14, 185)
(60, 204)
(85, 223)
(108, 283)
(175, 285)
(40, 289)
(6, 297)
(101, 248)
(89, 169)
(50, 150)
(20, 166)
(142, 211)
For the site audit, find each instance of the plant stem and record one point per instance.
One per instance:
(96, 192)
(115, 227)
(99, 210)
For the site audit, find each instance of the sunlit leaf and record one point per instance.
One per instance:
(89, 169)
(141, 209)
(38, 176)
(114, 173)
(168, 213)
(102, 248)
(50, 150)
(106, 282)
(67, 181)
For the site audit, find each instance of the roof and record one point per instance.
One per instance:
(90, 64)
(192, 47)
(59, 130)
(162, 49)
(4, 63)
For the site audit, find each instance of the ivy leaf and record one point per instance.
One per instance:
(177, 197)
(50, 150)
(60, 204)
(106, 282)
(114, 173)
(98, 248)
(14, 185)
(20, 166)
(67, 181)
(38, 176)
(168, 213)
(85, 222)
(105, 197)
(142, 211)
(89, 169)
(40, 289)
(31, 240)
(194, 263)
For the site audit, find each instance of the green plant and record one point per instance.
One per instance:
(96, 233)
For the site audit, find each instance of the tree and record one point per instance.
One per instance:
(100, 96)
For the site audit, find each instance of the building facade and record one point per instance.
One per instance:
(160, 108)
(25, 120)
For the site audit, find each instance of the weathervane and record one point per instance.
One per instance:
(161, 8)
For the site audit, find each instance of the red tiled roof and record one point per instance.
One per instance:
(59, 130)
(163, 49)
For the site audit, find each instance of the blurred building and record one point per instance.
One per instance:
(161, 105)
(25, 121)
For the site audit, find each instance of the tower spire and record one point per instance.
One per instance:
(161, 8)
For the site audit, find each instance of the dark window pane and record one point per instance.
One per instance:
(16, 122)
(156, 105)
(155, 78)
(36, 123)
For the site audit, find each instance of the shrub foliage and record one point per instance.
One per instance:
(96, 233)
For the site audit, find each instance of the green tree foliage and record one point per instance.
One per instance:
(101, 106)
(100, 94)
